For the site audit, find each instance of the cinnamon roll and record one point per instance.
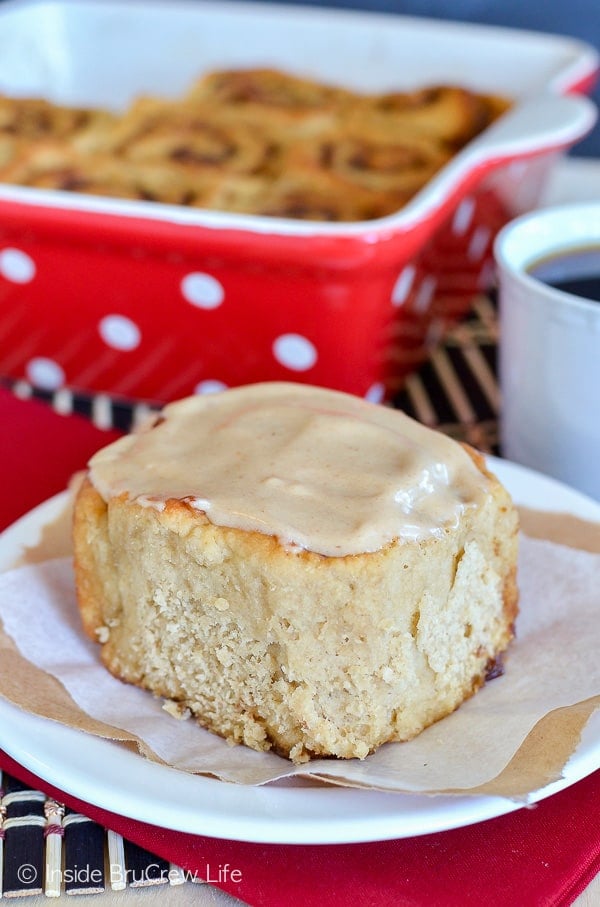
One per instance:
(196, 137)
(448, 114)
(309, 195)
(300, 570)
(371, 159)
(49, 166)
(267, 87)
(33, 118)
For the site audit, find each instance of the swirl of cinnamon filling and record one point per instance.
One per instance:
(51, 166)
(374, 160)
(449, 113)
(192, 137)
(268, 87)
(32, 118)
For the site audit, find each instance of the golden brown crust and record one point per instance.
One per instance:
(36, 118)
(268, 88)
(89, 518)
(504, 547)
(50, 165)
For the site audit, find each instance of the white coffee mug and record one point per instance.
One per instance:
(549, 350)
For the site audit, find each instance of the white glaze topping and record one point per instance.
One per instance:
(318, 469)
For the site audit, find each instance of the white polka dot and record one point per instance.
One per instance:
(202, 290)
(479, 242)
(463, 216)
(425, 293)
(487, 275)
(45, 373)
(376, 392)
(295, 352)
(119, 332)
(210, 386)
(16, 266)
(403, 285)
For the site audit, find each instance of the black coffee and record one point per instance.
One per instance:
(575, 271)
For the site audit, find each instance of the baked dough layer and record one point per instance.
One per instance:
(307, 654)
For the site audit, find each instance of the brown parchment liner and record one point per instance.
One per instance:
(538, 760)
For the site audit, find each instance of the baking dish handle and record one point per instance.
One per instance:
(539, 125)
(542, 123)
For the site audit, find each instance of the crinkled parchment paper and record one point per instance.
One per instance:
(512, 738)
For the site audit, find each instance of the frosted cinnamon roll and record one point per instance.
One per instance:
(298, 569)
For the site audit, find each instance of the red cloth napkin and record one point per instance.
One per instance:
(545, 855)
(39, 452)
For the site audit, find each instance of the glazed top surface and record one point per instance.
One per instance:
(318, 469)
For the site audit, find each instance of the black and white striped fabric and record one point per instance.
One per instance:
(47, 849)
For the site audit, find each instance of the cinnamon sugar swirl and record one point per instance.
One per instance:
(391, 165)
(52, 166)
(35, 118)
(446, 114)
(197, 137)
(268, 88)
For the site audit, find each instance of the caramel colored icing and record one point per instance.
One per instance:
(318, 469)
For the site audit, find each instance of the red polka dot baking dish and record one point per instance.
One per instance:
(154, 301)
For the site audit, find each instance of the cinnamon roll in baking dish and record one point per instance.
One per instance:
(305, 195)
(447, 114)
(267, 87)
(193, 136)
(255, 141)
(377, 159)
(52, 166)
(34, 118)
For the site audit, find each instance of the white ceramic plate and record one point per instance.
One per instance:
(107, 775)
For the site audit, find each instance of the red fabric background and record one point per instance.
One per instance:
(537, 857)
